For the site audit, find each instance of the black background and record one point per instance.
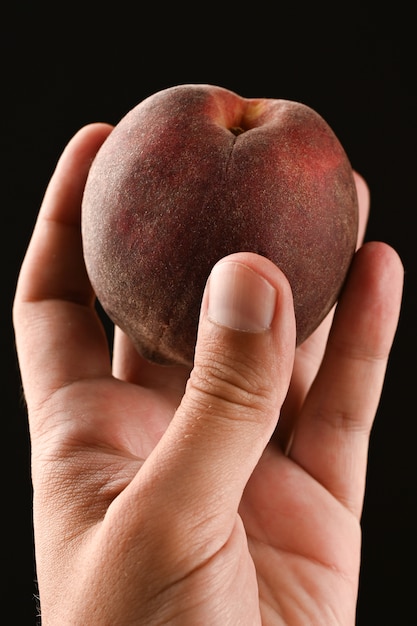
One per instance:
(61, 70)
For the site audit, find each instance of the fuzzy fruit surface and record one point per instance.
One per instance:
(196, 172)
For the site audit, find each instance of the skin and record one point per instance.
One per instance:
(154, 506)
(175, 188)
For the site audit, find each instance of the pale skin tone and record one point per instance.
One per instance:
(212, 507)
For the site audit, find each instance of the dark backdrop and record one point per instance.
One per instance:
(356, 68)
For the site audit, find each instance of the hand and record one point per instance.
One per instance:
(154, 506)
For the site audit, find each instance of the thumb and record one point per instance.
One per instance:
(242, 368)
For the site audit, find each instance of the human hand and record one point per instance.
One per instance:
(154, 506)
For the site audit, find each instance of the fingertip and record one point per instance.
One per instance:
(247, 319)
(66, 187)
(93, 130)
(369, 307)
(84, 144)
(362, 188)
(383, 259)
(364, 200)
(360, 182)
(240, 298)
(248, 292)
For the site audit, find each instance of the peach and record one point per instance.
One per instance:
(196, 172)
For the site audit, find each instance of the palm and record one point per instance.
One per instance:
(298, 537)
(296, 531)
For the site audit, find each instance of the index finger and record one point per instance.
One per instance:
(58, 334)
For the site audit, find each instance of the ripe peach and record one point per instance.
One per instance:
(195, 172)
